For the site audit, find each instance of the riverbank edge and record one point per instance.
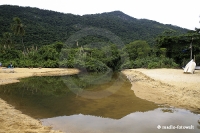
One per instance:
(12, 120)
(144, 86)
(160, 91)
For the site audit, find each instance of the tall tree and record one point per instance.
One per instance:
(138, 49)
(18, 29)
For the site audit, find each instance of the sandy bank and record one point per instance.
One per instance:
(12, 75)
(167, 86)
(12, 120)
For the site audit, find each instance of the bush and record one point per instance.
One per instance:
(127, 65)
(150, 62)
(51, 64)
(7, 63)
(153, 65)
(91, 65)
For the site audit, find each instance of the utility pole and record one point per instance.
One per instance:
(191, 50)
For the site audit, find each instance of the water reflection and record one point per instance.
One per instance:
(47, 97)
(54, 101)
(168, 110)
(94, 81)
(138, 122)
(198, 126)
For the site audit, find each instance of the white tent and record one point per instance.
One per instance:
(190, 67)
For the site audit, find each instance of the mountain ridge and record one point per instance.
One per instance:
(45, 27)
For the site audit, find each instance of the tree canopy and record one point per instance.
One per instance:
(45, 27)
(96, 43)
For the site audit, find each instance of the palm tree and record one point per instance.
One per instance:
(18, 28)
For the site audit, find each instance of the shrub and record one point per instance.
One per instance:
(127, 65)
(153, 65)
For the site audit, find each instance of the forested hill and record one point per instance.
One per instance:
(44, 27)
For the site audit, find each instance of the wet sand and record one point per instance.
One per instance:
(167, 86)
(12, 120)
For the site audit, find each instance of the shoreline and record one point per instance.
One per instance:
(12, 120)
(162, 86)
(8, 76)
(166, 86)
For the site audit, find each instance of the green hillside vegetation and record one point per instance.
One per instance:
(39, 38)
(45, 27)
(178, 47)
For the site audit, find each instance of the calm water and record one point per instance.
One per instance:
(96, 103)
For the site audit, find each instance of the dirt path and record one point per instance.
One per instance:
(167, 86)
(12, 120)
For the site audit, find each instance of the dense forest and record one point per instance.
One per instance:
(179, 47)
(31, 37)
(45, 27)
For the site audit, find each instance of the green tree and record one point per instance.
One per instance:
(18, 29)
(6, 41)
(163, 52)
(138, 49)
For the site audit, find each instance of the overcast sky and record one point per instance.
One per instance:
(183, 13)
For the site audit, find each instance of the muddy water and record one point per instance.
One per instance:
(94, 103)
